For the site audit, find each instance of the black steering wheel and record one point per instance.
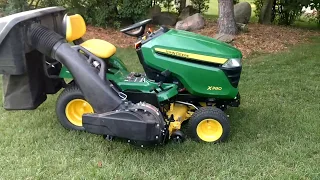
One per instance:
(138, 33)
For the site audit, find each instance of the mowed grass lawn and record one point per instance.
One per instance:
(214, 6)
(275, 134)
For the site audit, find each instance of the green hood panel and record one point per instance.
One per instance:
(189, 42)
(167, 52)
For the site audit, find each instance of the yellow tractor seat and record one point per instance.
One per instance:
(74, 28)
(100, 48)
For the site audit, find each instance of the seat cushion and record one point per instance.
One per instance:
(75, 27)
(100, 48)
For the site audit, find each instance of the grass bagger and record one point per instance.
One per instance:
(188, 78)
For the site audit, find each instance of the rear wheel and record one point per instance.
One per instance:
(71, 105)
(209, 124)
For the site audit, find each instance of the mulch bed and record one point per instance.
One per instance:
(259, 38)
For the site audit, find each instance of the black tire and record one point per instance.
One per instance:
(178, 136)
(68, 94)
(212, 115)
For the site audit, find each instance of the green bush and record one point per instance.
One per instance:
(101, 13)
(285, 12)
(14, 6)
(3, 4)
(167, 4)
(313, 17)
(200, 5)
(258, 4)
(105, 13)
(134, 10)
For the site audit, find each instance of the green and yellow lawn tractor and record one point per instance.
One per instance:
(187, 78)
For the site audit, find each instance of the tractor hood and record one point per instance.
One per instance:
(190, 45)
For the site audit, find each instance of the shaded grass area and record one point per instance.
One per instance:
(304, 23)
(274, 134)
(214, 7)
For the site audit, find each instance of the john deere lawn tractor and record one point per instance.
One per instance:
(188, 78)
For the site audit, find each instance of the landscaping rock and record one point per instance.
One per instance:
(186, 12)
(242, 27)
(242, 12)
(154, 11)
(191, 23)
(227, 38)
(165, 18)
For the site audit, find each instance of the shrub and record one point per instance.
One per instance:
(285, 12)
(133, 9)
(200, 5)
(14, 6)
(105, 13)
(313, 17)
(168, 4)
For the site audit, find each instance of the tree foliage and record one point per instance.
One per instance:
(236, 1)
(200, 5)
(285, 12)
(97, 12)
(14, 6)
(167, 4)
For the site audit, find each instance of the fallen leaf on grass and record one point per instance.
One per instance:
(99, 164)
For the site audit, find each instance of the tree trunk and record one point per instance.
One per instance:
(227, 24)
(31, 4)
(265, 16)
(37, 4)
(182, 5)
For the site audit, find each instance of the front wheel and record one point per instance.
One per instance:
(209, 124)
(71, 105)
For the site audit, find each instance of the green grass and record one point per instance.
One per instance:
(275, 134)
(214, 6)
(303, 22)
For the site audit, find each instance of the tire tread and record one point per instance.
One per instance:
(208, 112)
(71, 91)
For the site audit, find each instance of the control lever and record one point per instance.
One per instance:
(166, 74)
(160, 85)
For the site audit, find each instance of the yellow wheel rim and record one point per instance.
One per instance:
(75, 109)
(209, 130)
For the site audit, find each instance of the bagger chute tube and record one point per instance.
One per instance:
(187, 78)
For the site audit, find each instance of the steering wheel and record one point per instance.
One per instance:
(138, 33)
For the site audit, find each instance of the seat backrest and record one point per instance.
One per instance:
(74, 27)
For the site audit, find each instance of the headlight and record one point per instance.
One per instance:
(232, 63)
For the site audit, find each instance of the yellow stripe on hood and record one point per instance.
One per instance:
(192, 56)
